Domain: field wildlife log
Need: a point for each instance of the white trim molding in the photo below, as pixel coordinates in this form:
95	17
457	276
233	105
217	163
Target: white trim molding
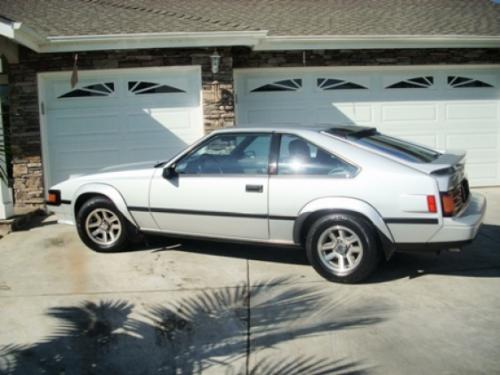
309	42
258	40
152	40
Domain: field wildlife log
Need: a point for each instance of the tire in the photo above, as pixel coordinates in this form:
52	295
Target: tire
117	227
351	238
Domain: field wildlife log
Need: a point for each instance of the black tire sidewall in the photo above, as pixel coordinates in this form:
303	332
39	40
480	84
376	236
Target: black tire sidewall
81	217
365	231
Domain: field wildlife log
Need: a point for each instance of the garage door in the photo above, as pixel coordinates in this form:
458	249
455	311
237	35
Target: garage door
118	117
452	108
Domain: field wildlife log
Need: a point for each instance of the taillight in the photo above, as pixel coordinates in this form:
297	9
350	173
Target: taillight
431	203
448	204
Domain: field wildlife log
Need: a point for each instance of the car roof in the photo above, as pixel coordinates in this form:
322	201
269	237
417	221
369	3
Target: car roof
339	130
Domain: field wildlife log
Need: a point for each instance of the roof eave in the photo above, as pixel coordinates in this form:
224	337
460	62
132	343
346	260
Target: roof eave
376	42
21	34
152	40
258	40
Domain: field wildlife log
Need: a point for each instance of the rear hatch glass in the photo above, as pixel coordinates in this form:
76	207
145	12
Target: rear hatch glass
398	148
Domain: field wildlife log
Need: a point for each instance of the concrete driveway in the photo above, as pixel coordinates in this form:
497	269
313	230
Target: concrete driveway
189	307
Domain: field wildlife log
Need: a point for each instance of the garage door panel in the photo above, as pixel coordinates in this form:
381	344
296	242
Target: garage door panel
147	138
89	157
150	153
135	126
157	121
346	113
65	165
410	112
283	116
472	141
482	155
434	106
472	111
80	124
481	171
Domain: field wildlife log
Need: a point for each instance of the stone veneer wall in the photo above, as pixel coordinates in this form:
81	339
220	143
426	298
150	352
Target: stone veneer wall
246	58
218	104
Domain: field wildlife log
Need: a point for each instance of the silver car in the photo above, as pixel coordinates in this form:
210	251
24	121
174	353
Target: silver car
349	195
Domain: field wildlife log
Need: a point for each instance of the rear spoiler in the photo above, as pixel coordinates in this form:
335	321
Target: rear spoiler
446	163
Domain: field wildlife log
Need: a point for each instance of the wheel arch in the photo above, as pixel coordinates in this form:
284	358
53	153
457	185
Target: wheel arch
327	206
88	191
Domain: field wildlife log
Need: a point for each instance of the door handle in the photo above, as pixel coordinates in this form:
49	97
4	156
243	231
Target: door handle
254	188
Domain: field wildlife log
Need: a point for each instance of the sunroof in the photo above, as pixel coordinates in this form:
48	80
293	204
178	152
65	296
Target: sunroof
351	131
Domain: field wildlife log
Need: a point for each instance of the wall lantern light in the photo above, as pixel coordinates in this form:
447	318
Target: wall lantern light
215	60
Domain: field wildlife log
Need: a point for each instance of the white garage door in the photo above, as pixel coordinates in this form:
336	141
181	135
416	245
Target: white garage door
446	108
117	117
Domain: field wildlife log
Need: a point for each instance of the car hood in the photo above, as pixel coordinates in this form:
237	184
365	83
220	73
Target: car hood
129	166
116	168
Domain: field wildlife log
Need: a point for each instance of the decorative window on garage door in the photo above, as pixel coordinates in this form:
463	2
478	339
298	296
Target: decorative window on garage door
96	89
284	85
143	87
337	84
459	82
413	83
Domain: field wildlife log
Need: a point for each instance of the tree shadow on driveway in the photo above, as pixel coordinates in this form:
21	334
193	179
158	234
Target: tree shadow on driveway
216	327
481	258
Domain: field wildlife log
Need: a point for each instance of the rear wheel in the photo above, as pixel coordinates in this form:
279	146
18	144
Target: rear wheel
101	226
342	248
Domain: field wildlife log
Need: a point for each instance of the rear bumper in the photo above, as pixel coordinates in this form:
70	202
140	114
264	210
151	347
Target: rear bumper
454	232
465	226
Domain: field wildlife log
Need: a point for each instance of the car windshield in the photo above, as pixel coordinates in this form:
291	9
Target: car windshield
397	147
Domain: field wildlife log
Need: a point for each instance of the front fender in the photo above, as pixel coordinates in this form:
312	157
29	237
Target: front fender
108	191
343	204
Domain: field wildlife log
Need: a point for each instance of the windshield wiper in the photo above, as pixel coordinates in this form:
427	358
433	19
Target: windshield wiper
160	164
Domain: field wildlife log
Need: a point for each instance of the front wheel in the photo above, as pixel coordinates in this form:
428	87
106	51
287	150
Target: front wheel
101	226
342	248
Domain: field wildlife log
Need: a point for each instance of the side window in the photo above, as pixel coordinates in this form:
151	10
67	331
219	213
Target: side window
229	154
299	157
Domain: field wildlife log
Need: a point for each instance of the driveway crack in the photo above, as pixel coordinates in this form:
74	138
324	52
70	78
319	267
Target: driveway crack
247	365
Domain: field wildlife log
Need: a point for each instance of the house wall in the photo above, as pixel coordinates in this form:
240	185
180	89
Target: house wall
245	58
218	104
24	113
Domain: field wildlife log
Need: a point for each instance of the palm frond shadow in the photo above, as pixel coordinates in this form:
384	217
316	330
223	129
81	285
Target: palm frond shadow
195	333
304	365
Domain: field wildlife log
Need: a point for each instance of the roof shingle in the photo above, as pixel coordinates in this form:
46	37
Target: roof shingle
280	17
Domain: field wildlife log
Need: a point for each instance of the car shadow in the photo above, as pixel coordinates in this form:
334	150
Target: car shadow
275	254
478	259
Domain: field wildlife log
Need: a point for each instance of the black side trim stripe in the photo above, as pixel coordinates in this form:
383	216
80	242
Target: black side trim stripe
210	213
410	221
62	201
272	217
139	209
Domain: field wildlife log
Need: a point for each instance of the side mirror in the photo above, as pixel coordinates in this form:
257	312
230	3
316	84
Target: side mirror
169	172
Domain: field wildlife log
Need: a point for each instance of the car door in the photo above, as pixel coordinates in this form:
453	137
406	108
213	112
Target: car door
219	189
308	171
